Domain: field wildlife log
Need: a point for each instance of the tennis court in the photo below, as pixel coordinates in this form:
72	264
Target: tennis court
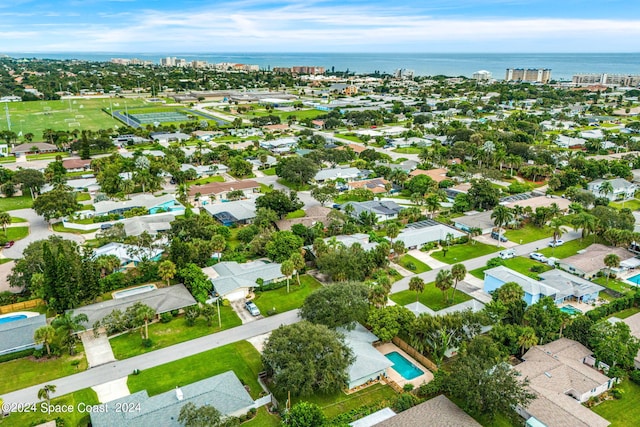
159	117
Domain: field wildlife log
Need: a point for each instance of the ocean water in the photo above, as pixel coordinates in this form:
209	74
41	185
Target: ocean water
562	65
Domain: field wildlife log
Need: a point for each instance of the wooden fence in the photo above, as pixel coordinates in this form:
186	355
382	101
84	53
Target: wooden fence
415	354
20	306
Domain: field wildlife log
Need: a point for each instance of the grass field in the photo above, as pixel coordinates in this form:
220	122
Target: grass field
16	233
28	371
431	297
627	312
633	204
16	202
421	267
16	220
60	228
407	150
459	253
616	285
269	171
36	116
75	418
625	411
570	248
174	332
529	233
239	357
520	264
284	115
296	214
263	419
283	301
207	180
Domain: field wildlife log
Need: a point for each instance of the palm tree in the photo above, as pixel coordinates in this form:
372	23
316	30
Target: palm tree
127	186
5	219
611	261
167	270
66	325
518	213
416	284
432	203
287	269
45	335
501	216
218	243
527	338
378	295
444	281
45	392
556	225
392	230
458	271
606	188
298	263
587	222
145	313
107	264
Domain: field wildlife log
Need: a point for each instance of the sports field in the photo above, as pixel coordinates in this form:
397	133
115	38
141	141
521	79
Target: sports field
36	116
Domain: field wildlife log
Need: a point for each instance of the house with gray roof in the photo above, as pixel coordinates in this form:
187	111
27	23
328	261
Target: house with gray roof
235	212
622	189
162	300
564	141
152	204
382	209
436	412
224	392
205	170
233	281
418	234
369	364
471	220
581	290
152	224
17	335
128	254
331	174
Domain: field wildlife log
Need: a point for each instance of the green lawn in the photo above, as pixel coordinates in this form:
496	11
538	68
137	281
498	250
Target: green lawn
60	228
296	214
83	197
239	357
16	220
569	248
45	156
407	150
431	297
520	264
283	301
75	418
633	204
174	332
207	180
269	171
627	312
616	285
263	419
16	233
8	159
459	253
338	403
529	233
28	371
421	267
294	186
625	411
15	202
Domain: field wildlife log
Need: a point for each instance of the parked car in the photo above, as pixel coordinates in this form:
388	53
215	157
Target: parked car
9	244
495	235
507	254
538	257
252	308
554	243
106	226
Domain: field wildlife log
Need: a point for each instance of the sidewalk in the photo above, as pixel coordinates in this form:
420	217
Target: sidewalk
426	258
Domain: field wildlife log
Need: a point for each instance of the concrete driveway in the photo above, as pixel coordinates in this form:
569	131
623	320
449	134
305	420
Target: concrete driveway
243	313
38	230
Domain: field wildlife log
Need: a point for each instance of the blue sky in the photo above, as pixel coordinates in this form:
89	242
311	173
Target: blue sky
186	26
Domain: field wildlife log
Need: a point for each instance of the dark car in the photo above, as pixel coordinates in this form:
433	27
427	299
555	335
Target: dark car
106	226
9	244
495	235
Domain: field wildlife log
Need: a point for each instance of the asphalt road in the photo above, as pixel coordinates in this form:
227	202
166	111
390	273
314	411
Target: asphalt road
122	368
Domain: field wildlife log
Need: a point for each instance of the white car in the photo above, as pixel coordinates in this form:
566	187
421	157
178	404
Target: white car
538	256
555	243
252	308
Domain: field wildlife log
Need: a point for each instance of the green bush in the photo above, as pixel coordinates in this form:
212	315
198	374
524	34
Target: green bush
408	387
166	317
16	355
410	266
147	343
537	268
635	376
495	262
404	402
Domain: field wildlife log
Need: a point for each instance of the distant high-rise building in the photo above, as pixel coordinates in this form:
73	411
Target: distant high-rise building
403	73
536	75
482	75
307	69
168	61
606	79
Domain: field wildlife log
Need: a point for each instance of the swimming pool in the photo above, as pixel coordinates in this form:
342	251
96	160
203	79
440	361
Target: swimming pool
133	291
635	279
569	309
406	369
10	317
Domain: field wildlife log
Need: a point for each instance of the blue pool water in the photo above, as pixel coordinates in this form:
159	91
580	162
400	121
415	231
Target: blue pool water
402	366
635	279
8	319
569	309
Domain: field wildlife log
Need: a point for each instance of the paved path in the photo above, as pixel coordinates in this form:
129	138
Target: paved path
426	258
122	368
97	349
472	264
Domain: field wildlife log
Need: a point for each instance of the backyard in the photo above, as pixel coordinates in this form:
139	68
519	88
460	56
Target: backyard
15	202
459	253
174	332
239	357
418	266
282	301
529	233
431	297
624	411
615	285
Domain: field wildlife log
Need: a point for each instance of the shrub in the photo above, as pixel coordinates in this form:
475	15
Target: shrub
404	402
616	393
410	266
408	387
635	376
495	262
537	269
147	343
166	317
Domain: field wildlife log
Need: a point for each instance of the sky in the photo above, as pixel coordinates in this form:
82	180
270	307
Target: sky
368	26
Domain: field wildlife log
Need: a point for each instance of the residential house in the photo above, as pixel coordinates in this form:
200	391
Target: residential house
436	412
168	137
383	210
473	219
33	148
592	134
219	190
622	189
438	175
152	204
349	240
161	300
224	392
203	171
234	281
535	202
564	141
561	382
128	254
557	286
347	174
16	331
81	184
280	145
76	165
206	135
369	365
406	165
257	164
418	234
151	224
313	215
375	185
356	148
232	213
590	261
634	325
125	140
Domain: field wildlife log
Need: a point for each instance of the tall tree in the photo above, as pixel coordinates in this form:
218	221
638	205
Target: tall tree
5	219
66	326
305	414
167	270
613	344
297	170
337	305
459	272
45	335
416	284
298	263
444	281
527	338
196	281
501	216
287	268
57	203
611	261
45	392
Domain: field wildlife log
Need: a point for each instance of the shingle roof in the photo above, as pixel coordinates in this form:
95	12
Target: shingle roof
233	275
222	187
436	412
368	361
529	285
238	210
592	259
420	236
562	280
18	334
147	201
334	173
225	392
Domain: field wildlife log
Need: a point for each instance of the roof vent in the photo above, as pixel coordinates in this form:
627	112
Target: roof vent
179	394
547	374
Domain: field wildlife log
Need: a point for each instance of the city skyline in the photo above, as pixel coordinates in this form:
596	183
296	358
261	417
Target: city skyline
318	26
